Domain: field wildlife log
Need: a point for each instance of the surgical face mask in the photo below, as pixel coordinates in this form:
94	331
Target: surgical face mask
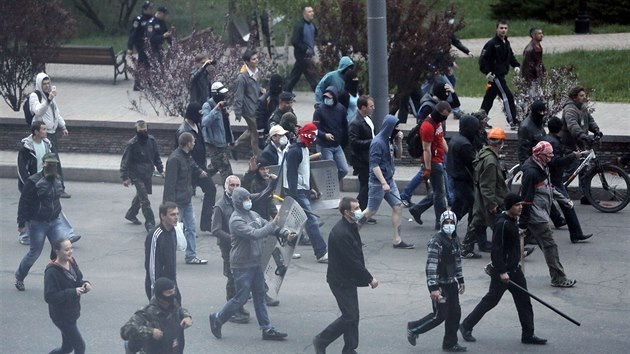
247	205
451	21
283	140
358	214
328	101
448	228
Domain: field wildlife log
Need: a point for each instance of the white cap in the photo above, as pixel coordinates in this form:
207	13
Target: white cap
218	87
277	130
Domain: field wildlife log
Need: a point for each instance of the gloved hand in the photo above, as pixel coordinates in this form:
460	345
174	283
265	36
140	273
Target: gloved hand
490	76
517	70
587	140
570	204
426	174
599	134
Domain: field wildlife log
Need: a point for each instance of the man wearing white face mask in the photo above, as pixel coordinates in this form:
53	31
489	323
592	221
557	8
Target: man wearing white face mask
346	272
277	145
446	282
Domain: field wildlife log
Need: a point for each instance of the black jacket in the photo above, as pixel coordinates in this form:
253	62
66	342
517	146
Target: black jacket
159	257
293	159
27	161
198	153
506	246
269	153
155	33
64	305
331	120
265	107
139	159
221	214
360	136
497	57
530	133
178	177
346	266
39	200
562	159
461	150
297	39
137	32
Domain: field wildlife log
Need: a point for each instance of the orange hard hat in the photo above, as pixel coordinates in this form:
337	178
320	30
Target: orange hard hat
496	133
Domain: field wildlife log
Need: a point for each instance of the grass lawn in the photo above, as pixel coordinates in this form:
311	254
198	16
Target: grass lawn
602	71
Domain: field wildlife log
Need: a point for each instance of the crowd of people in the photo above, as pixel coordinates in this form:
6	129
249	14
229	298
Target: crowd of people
464	177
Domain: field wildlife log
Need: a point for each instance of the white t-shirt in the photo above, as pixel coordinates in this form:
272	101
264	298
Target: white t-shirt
40	151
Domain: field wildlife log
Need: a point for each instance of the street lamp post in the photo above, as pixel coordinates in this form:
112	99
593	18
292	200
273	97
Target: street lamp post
377	58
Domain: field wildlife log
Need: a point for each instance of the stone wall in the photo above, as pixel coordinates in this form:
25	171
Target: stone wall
111	137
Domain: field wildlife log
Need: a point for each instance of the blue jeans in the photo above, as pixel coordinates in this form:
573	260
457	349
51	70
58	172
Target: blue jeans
71	339
312	226
187	215
66	229
247	280
38	231
437	196
336	154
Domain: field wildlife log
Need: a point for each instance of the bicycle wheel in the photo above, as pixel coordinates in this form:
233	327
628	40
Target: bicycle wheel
607	188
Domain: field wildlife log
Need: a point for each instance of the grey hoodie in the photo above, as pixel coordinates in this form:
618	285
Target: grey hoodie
247	229
46	111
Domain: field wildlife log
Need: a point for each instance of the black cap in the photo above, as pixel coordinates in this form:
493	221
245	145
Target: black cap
146	5
287	96
511	199
163	9
161	285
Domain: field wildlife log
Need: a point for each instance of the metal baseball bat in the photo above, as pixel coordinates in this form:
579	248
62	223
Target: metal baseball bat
544	303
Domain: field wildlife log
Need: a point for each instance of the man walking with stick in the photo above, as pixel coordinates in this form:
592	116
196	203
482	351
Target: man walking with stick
506	257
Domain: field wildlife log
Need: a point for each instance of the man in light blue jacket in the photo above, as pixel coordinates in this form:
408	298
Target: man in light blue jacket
216	131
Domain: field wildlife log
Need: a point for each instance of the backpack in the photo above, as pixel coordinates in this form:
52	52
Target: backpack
26	107
414	143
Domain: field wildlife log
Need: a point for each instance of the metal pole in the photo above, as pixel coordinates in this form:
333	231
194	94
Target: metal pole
377	58
543	302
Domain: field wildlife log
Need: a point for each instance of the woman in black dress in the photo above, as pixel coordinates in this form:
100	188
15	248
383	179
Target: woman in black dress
63	288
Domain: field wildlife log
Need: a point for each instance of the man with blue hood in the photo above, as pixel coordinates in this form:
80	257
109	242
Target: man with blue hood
334	78
381	183
248	231
332	130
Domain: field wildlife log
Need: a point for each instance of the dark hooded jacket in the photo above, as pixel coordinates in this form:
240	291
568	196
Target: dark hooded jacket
27	161
380	152
140	159
39	200
64	305
198	152
531	132
331	119
248	230
490	186
461	150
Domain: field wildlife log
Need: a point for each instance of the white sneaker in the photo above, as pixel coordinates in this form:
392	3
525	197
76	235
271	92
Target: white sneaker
296	256
323	259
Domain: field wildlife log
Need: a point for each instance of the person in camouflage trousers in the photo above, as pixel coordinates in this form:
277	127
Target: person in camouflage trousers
159	326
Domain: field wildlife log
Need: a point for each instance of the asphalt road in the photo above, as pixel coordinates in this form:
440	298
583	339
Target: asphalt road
111	256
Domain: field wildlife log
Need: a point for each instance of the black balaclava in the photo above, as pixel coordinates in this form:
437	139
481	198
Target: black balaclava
536	108
193	112
160	286
439	91
437	117
275	84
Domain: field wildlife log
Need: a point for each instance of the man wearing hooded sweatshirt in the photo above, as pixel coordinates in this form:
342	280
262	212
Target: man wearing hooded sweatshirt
248	90
538	194
445	281
223	210
45	109
296	182
381	183
248	231
334	78
266	106
461	154
192	125
432	163
332	130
